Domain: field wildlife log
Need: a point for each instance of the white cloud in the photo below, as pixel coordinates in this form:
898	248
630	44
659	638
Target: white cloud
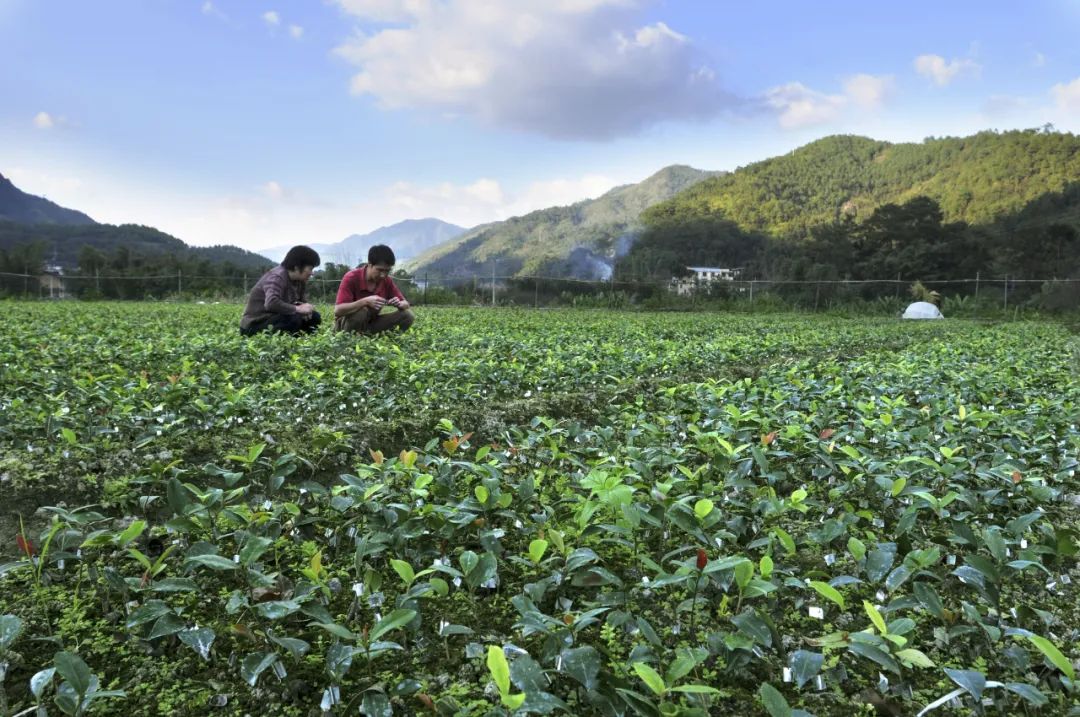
942	72
43	120
44	183
1001	106
484	200
577	69
797	105
1067	95
270	17
273	190
208	8
869	91
296	31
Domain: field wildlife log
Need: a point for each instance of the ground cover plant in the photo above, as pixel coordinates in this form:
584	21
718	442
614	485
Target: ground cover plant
518	512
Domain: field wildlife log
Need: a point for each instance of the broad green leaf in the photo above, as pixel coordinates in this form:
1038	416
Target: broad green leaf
785	539
876	654
499	668
765	567
702	508
10	627
875	617
40	681
971	680
773	701
198	639
828	592
651	678
856	548
805	665
914	657
393	621
404	570
537	548
74	671
1053	654
253	548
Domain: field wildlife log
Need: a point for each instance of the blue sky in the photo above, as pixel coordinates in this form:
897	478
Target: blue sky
266	123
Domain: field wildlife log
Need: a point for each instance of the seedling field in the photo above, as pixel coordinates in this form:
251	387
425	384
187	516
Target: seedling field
536	512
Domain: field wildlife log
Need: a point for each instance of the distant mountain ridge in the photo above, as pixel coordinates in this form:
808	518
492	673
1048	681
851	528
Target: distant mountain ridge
581	240
61	234
18	206
407	238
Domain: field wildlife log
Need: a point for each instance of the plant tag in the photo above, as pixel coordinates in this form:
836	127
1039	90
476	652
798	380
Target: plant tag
60	564
236	559
358	589
267	504
378	616
951	560
676	629
328	532
830	559
830	510
352	531
816	612
1065	579
330	697
878	523
375	600
1023	543
279	670
787	674
882	683
1051	584
880	595
819	682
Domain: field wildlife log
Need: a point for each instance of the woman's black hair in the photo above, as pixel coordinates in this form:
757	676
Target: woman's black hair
300	257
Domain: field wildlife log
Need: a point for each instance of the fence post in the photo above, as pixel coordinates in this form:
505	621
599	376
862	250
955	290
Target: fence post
1006	308
536	293
426	281
751	292
179	283
817	294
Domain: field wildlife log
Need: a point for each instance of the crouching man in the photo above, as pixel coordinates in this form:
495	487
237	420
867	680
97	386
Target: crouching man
364	292
278	301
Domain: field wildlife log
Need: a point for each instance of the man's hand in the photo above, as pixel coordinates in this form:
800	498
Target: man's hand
399	304
374	302
304	309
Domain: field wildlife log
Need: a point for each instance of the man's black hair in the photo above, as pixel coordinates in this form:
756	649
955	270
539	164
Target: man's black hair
300	257
381	254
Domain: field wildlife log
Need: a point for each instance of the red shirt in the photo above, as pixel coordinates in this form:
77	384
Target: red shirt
354	286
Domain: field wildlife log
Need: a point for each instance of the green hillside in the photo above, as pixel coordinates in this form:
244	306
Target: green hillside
980	180
542	242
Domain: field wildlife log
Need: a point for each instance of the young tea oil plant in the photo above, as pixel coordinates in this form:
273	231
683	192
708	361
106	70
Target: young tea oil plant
510	512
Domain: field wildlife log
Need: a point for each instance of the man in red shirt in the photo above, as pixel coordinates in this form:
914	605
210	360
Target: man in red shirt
364	292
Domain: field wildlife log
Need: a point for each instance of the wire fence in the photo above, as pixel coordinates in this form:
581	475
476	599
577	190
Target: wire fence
961	295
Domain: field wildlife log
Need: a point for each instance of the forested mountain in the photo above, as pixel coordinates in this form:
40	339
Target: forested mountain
18	206
850	207
30	245
35	231
580	240
978	179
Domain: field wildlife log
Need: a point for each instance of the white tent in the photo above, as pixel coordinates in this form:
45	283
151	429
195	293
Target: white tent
922	310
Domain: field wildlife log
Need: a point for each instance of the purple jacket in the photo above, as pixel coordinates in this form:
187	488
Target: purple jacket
273	294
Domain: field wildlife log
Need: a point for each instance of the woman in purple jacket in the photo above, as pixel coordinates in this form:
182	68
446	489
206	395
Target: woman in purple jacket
278	301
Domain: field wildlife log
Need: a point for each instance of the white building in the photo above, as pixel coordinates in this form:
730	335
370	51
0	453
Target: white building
701	276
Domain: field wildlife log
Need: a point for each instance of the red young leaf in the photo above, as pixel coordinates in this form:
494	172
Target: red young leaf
768	438
702	558
25	545
826	434
1016	477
